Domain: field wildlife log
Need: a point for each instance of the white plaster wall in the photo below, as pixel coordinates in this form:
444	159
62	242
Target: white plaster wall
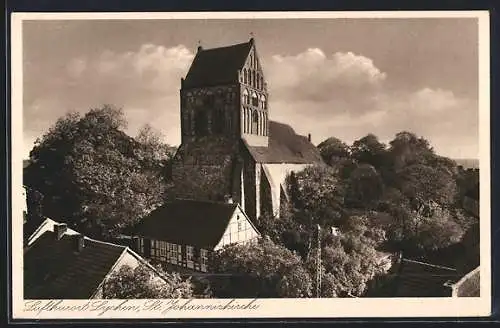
47	225
245	233
277	174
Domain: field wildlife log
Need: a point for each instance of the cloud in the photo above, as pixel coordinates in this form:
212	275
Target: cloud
346	95
144	82
341	94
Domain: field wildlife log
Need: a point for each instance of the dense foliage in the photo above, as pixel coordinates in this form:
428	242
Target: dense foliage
262	269
95	177
143	283
400	197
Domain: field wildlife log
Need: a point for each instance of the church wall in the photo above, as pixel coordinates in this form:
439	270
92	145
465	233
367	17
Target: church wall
276	175
204	169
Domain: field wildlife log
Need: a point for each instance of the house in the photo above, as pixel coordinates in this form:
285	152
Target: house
60	263
184	232
420	279
468	285
229	146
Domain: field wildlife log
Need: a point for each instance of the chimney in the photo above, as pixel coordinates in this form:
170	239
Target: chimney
309	137
228	199
60	229
79	241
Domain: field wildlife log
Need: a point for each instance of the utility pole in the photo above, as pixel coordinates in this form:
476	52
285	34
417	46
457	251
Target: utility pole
318	265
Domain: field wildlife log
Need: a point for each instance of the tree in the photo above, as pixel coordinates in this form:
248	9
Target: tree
261	269
422	184
369	150
406	149
141	283
93	176
333	150
349	263
317	197
317	193
364	187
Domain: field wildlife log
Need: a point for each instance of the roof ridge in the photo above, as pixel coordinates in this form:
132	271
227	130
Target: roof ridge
203	201
224	47
429	264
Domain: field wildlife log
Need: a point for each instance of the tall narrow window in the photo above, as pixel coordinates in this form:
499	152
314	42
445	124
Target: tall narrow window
245	76
255	99
255	122
201	123
253	79
245	96
189	256
203	259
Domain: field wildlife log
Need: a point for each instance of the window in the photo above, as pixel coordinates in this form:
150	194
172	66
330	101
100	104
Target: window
141	246
255	122
245	76
245	96
255	99
240	224
203	259
173	253
189	256
201	123
179	253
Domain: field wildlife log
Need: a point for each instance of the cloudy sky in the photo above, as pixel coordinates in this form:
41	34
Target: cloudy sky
330	77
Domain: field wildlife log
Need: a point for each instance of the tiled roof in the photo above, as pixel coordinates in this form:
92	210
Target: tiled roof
217	66
54	269
285	146
188	222
419	279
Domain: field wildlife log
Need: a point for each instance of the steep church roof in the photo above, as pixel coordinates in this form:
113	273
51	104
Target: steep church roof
217	65
285	146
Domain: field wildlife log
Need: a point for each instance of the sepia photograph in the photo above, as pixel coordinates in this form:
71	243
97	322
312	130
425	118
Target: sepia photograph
222	161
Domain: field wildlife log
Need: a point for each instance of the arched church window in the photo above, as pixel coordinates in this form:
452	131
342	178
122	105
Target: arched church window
219	121
255	99
245	76
245	96
255	122
201	123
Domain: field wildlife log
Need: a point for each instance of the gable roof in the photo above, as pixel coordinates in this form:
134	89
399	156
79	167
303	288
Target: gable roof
53	268
285	146
32	232
217	66
419	279
188	222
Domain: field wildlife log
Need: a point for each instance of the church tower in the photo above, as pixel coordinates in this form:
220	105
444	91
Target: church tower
230	149
224	95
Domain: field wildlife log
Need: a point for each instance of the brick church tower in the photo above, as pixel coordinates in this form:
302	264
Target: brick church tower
227	135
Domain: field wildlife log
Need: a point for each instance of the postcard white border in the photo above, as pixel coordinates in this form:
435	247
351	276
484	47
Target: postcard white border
268	308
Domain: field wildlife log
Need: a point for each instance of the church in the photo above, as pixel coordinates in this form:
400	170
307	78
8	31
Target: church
230	150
